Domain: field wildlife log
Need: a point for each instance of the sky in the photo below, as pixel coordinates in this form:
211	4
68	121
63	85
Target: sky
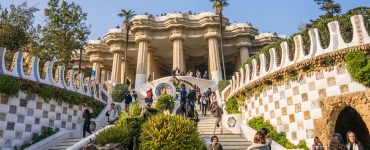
280	16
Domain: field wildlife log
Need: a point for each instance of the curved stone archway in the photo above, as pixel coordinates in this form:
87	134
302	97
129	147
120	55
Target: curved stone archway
331	108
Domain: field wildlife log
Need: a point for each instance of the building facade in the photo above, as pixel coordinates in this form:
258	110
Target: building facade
158	45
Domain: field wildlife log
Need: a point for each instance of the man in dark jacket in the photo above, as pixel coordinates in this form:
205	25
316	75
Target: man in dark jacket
86	128
128	100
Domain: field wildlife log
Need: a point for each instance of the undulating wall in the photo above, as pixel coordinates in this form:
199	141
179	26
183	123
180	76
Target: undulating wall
293	105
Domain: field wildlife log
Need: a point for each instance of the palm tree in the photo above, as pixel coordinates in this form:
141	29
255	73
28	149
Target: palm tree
127	15
219	5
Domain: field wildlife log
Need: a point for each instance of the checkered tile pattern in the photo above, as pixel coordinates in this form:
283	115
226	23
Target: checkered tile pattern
293	106
22	119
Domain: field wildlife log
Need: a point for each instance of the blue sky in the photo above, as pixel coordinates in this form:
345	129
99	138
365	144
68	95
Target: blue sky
281	16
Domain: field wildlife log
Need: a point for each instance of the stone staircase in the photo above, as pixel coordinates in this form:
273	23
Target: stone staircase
66	143
228	140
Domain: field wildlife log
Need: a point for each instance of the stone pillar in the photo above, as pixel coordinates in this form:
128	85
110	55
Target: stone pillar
177	38
244	54
123	69
103	76
96	68
116	49
142	58
214	55
156	74
150	65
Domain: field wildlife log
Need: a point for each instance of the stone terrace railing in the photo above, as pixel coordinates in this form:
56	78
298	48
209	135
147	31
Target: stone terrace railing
246	78
85	87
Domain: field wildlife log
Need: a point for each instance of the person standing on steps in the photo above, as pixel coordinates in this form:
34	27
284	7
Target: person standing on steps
214	145
86	127
204	104
217	113
149	98
128	100
134	95
208	98
112	114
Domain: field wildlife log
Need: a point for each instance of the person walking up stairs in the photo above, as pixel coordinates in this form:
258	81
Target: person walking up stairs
228	140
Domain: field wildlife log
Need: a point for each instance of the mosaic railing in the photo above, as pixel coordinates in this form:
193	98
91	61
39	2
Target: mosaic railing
53	76
251	74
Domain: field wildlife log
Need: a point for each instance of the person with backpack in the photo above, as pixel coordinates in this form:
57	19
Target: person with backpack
128	100
217	113
86	127
204	104
149	98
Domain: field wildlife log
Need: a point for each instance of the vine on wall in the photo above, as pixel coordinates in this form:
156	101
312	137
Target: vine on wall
358	65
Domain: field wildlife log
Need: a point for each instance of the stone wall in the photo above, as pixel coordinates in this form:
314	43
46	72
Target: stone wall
22	119
294	106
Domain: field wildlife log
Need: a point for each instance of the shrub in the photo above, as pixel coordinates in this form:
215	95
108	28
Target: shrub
358	66
258	123
48	132
168	132
118	92
232	106
222	84
45	92
165	101
8	85
117	134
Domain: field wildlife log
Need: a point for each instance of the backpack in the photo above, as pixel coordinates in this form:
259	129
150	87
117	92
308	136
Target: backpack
204	100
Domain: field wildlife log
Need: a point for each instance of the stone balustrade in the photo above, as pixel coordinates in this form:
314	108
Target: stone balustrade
337	44
84	86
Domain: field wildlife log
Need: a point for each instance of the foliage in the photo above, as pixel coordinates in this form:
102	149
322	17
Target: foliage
45	134
291	48
222	84
170	132
45	92
258	123
8	85
358	65
219	4
309	68
118	92
116	134
232	106
16	26
329	6
65	30
165	101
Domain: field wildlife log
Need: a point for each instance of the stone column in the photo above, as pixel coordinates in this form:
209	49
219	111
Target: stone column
103	76
244	54
96	64
214	55
117	50
150	65
142	58
156	74
177	38
123	69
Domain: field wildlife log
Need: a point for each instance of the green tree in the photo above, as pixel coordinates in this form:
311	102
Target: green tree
329	6
219	5
65	31
127	15
16	26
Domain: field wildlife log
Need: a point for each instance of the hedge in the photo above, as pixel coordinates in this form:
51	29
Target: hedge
358	65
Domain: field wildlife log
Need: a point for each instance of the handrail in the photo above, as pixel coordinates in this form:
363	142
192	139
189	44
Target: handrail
51	140
88	139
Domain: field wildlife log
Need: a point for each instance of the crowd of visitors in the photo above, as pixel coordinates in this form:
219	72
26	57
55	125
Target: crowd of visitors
207	101
190	73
